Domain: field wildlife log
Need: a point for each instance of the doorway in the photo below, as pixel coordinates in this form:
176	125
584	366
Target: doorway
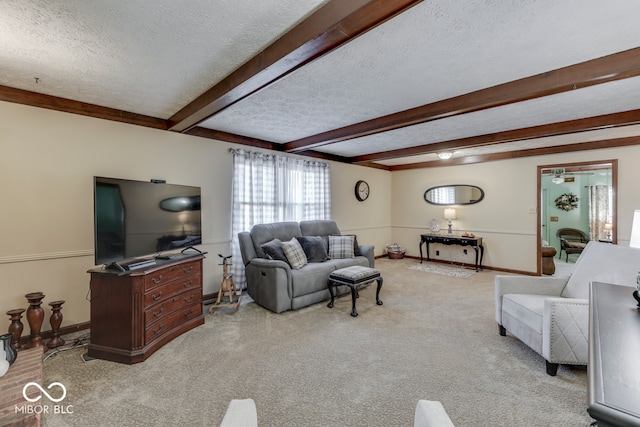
580	196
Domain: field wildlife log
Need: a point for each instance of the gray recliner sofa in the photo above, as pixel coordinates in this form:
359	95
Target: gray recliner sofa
273	284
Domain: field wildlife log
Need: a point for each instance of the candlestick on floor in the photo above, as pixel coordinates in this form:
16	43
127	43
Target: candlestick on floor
35	317
16	327
55	320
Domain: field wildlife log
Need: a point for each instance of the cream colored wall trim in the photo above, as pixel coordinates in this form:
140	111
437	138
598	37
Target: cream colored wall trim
352	230
46	256
75	254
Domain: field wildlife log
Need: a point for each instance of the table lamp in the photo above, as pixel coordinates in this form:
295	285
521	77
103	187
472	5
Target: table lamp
449	214
607	230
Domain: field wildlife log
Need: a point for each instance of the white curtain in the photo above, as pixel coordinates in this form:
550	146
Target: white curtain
271	188
599	201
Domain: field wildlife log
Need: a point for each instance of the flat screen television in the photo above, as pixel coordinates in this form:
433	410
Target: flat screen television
135	219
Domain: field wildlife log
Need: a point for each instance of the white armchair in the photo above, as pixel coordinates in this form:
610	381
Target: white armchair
551	314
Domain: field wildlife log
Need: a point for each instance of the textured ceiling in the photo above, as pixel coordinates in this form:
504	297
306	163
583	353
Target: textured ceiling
156	57
437	50
145	56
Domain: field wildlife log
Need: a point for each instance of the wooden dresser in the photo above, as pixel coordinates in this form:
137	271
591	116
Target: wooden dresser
135	313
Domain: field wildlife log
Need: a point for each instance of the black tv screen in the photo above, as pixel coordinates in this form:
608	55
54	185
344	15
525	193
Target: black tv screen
140	218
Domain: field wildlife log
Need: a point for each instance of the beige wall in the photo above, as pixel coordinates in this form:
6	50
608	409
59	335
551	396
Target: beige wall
503	218
48	160
47	163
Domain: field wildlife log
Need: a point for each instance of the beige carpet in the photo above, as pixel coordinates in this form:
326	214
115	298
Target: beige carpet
434	338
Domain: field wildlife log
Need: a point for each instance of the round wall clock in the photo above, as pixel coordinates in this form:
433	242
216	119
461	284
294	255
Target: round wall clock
362	190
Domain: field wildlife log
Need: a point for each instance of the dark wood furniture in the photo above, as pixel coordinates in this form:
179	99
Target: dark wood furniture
614	345
572	241
474	242
354	277
135	313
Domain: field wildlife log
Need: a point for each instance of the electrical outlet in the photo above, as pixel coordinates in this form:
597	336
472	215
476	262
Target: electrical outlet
464	251
437	253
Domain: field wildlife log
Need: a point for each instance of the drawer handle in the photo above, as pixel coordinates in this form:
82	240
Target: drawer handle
187	315
158	313
187	285
156	281
157	331
156	298
189	299
187	270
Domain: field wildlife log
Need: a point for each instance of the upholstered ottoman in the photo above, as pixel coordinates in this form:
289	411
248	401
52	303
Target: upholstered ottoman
548	266
354	276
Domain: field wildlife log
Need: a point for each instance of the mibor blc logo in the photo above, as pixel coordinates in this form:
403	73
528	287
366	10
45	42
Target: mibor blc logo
44	409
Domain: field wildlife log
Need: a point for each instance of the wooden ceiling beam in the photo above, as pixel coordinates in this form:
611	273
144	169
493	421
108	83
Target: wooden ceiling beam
605	121
267	145
330	27
34	99
609	68
568	148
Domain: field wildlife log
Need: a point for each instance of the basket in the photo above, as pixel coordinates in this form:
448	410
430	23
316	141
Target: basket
395	251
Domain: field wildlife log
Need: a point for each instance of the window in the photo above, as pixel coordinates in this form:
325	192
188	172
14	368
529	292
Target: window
271	188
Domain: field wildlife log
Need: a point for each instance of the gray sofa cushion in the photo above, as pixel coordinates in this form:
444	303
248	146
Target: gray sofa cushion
319	227
311	278
314	248
347	262
263	233
273	250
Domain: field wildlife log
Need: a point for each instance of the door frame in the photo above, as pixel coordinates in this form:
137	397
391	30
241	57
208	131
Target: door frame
590	165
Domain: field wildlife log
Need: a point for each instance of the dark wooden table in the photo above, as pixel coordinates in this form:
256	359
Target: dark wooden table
474	242
614	356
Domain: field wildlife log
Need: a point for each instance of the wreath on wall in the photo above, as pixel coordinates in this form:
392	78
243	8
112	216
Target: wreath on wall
567	202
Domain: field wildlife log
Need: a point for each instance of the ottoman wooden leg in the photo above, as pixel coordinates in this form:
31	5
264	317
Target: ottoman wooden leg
378	291
354	294
330	286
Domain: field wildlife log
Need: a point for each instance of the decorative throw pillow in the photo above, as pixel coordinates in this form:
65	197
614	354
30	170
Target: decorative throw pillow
273	250
314	248
356	247
341	246
294	253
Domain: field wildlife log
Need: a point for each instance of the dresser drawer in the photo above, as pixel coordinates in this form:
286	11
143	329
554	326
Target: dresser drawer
169	274
168	306
174	319
161	293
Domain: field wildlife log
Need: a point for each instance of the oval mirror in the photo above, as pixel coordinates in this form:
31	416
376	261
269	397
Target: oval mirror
454	195
181	204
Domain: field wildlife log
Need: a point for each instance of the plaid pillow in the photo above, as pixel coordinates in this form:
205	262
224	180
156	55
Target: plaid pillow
294	253
341	246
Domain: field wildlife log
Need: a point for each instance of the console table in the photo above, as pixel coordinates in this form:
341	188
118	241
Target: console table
613	369
474	242
135	313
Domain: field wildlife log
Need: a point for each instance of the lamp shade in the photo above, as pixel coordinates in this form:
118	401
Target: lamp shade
635	230
450	213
